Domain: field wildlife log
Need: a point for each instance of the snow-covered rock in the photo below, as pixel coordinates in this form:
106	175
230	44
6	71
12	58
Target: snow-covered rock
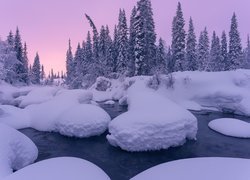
64	168
153	122
199	168
37	96
14	117
83	121
110	102
231	127
16	150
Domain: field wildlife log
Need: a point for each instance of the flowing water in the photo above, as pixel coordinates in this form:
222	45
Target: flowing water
122	165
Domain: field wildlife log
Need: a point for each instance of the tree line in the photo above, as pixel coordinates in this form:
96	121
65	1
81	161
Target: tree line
133	51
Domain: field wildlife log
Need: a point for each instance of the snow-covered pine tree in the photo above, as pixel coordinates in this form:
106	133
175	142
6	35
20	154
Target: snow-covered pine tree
77	63
114	50
203	50
109	53
122	59
131	48
43	76
89	61
247	53
161	62
191	53
69	64
235	48
10	39
224	53
145	48
36	70
25	65
178	40
170	64
215	54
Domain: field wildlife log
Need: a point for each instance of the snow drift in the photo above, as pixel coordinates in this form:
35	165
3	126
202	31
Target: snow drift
16	150
63	168
152	123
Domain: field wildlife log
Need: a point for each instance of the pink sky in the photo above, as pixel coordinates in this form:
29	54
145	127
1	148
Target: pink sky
46	25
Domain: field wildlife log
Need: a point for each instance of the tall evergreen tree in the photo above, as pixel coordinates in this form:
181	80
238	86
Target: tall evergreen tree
161	64
224	53
115	50
36	70
247	55
25	64
132	42
77	64
10	39
145	48
170	64
69	64
203	51
191	53
215	54
235	48
122	59
43	76
178	40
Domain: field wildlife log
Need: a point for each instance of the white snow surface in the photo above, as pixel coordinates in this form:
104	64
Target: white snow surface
152	122
83	121
199	168
231	127
63	168
69	112
16	150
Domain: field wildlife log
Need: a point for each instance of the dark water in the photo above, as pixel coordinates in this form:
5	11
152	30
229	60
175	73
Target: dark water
122	165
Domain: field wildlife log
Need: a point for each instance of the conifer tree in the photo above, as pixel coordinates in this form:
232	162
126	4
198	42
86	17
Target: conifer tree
203	51
145	48
224	53
36	70
10	39
69	64
25	64
161	65
114	50
178	40
247	56
215	54
235	48
191	53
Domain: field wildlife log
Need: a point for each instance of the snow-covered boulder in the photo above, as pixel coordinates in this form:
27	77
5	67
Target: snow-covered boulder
110	102
37	96
199	168
14	117
64	168
231	127
83	121
16	150
153	122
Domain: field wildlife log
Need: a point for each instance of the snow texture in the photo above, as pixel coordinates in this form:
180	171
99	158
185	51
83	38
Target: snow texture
152	123
63	168
231	127
16	150
199	168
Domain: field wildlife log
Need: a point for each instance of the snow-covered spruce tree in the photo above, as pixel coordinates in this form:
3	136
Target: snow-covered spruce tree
191	53
69	64
247	54
26	64
10	39
114	50
43	76
22	73
109	53
89	61
36	70
145	48
169	61
77	62
224	53
161	62
178	40
122	59
203	51
215	54
235	48
131	46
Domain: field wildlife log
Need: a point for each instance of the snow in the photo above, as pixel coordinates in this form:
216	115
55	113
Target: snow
152	122
231	127
110	102
83	121
69	112
37	96
16	150
63	168
199	168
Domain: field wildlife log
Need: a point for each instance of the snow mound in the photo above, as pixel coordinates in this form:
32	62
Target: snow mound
14	117
83	121
64	168
110	102
231	127
199	168
153	122
16	150
37	96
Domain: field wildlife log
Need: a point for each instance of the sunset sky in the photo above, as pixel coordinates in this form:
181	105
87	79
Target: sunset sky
46	25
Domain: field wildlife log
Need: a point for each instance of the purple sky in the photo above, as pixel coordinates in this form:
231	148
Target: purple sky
46	25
